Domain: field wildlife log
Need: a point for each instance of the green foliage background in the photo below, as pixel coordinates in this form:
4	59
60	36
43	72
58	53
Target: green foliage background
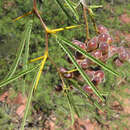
10	34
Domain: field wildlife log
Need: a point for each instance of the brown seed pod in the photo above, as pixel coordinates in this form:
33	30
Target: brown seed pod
102	29
87	89
97	54
58	88
103	38
112	50
92	44
104	48
118	62
123	54
84	64
64	73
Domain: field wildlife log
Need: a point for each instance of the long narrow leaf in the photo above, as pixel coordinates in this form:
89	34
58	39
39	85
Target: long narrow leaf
74	4
98	62
75	85
66	13
9	80
28	103
26	55
83	74
72	9
71	108
34	86
73	103
20	49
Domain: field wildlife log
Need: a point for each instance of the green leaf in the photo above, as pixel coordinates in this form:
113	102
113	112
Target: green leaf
9	80
28	102
73	103
66	13
70	106
20	49
83	74
73	4
26	55
35	83
96	104
70	5
98	62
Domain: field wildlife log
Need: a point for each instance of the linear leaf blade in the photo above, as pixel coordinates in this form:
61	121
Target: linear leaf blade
28	102
72	9
75	85
83	74
71	107
98	62
20	50
9	80
26	55
66	13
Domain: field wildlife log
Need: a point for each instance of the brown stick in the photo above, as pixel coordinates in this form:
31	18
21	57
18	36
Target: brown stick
34	4
41	20
93	20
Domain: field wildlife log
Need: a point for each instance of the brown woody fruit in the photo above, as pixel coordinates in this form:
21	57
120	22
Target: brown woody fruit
62	70
84	64
102	29
65	74
92	44
90	73
104	47
82	46
96	81
98	77
87	89
99	73
123	55
104	58
103	37
97	54
118	62
112	50
78	55
58	88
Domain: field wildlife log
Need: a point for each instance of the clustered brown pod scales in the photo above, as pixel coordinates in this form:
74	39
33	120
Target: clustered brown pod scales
102	49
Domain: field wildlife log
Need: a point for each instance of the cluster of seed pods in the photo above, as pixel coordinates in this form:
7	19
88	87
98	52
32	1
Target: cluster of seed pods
102	49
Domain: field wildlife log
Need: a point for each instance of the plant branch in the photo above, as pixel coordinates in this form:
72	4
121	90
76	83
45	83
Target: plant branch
34	4
93	20
86	23
26	14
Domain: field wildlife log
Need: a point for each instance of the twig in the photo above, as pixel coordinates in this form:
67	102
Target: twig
86	23
93	20
38	15
34	4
